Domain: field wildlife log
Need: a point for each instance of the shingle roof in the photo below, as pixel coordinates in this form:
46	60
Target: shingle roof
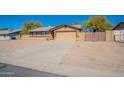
63	25
120	26
41	29
5	32
14	31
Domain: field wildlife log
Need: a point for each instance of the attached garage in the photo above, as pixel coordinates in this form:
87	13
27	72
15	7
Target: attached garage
66	35
65	32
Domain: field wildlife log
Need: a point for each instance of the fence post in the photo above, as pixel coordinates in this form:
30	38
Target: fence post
109	36
81	36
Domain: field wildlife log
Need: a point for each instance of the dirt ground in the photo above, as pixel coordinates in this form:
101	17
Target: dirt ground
35	54
104	58
65	57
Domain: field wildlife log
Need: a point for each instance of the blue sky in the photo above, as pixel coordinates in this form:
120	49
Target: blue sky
16	21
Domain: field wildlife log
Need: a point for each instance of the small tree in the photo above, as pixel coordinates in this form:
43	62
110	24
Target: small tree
77	23
98	23
29	26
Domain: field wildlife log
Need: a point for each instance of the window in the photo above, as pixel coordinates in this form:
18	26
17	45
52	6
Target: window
43	33
33	33
47	33
4	35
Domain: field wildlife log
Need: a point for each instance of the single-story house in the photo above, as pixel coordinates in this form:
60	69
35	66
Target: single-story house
61	32
119	32
15	34
10	34
4	35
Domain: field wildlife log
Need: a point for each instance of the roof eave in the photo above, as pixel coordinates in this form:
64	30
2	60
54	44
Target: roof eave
114	28
54	28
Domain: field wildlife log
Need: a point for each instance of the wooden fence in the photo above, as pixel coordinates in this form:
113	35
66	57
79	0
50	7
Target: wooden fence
95	36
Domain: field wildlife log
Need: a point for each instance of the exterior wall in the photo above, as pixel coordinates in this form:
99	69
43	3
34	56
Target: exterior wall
29	37
81	36
2	37
65	28
109	35
15	36
25	37
39	36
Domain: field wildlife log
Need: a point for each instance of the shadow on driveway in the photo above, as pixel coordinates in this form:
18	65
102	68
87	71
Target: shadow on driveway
7	70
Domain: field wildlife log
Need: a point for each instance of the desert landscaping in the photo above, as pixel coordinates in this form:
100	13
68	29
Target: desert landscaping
67	58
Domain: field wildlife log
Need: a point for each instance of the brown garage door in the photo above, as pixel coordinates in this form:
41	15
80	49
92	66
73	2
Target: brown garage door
95	36
65	35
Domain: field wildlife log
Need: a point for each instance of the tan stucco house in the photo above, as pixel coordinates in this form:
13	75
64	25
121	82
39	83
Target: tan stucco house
61	32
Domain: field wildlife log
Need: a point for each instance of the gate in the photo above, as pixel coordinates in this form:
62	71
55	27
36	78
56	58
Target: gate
95	36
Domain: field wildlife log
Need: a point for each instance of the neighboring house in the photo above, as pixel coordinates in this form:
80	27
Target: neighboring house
15	34
61	32
8	34
4	35
119	32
